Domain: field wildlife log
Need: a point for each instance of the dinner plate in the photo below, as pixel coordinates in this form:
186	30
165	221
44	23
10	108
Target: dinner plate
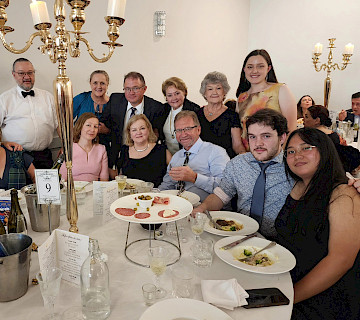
190	196
283	259
250	225
134	182
79	185
183	309
176	203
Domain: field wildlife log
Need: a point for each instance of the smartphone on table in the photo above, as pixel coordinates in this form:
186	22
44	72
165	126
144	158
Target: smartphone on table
266	297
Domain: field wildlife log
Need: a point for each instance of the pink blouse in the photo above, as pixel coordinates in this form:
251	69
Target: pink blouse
92	166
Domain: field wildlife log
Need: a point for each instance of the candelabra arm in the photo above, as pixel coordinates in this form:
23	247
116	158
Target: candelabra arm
90	50
10	47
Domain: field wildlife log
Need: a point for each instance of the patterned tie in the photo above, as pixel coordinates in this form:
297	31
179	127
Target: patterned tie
133	112
258	197
28	93
181	184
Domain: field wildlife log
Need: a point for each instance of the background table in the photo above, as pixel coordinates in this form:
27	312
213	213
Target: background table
126	278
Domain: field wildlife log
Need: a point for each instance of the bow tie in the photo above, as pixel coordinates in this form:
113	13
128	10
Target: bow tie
28	93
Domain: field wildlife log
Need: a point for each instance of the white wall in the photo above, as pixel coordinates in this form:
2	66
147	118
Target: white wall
201	36
289	29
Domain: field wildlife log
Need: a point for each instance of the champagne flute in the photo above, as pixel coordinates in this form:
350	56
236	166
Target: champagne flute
121	180
158	259
197	222
49	281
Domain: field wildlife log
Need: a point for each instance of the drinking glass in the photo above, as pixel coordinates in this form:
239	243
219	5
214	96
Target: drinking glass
182	280
121	180
149	293
157	260
21	225
197	222
49	281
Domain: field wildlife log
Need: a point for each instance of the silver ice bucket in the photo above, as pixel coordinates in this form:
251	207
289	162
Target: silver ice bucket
38	212
14	268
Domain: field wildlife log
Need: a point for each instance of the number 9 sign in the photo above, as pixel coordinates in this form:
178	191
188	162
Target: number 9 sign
47	186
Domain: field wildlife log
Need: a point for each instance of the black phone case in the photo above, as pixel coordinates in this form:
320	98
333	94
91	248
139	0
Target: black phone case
266	297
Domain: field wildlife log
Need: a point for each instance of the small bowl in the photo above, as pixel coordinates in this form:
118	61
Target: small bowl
145	203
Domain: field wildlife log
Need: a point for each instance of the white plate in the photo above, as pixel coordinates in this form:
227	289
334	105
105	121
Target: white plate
134	182
184	309
176	203
284	259
79	184
250	225
190	196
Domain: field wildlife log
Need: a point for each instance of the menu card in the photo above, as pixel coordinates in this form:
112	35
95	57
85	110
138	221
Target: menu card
104	194
65	250
5	206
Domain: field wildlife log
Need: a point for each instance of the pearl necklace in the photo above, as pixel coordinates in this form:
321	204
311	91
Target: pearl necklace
142	150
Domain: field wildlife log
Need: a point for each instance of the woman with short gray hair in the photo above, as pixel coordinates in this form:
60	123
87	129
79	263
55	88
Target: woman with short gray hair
219	124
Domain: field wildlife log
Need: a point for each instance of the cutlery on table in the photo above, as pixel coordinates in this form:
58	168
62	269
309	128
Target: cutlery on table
270	245
213	222
235	243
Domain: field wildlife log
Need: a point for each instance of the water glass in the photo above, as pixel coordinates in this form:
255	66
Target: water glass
21	224
202	253
149	293
182	280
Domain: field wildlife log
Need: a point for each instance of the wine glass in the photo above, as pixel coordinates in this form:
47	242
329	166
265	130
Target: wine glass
49	280
158	259
197	222
121	180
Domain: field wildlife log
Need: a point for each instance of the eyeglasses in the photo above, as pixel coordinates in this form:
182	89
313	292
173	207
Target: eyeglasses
187	129
134	89
303	149
23	74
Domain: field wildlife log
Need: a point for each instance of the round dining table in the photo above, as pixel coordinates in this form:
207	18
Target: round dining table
127	278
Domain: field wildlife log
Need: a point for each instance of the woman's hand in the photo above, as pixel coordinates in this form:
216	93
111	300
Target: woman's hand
13	146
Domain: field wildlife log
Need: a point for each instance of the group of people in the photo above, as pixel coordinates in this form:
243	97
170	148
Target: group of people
290	180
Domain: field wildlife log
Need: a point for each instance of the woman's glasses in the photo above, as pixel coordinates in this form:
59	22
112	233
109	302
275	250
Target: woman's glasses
303	149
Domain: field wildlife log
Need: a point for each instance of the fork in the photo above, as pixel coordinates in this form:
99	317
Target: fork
270	245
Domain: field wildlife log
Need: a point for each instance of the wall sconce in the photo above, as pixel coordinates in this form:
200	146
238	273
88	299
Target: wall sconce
160	23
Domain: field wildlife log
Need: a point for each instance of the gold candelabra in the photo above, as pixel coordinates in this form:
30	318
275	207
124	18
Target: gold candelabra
330	66
58	47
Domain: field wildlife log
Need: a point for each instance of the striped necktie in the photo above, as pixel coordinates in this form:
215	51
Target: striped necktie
133	112
181	184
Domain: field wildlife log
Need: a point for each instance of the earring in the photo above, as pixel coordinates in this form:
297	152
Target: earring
266	78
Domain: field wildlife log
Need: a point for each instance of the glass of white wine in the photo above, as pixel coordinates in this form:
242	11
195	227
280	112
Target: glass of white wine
197	222
121	180
158	260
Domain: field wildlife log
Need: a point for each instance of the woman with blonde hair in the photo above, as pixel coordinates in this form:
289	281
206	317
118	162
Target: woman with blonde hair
141	157
89	160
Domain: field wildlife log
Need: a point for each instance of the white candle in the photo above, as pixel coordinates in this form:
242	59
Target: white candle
318	48
116	8
349	49
39	12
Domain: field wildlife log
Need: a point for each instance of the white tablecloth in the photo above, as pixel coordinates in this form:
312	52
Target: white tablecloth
126	278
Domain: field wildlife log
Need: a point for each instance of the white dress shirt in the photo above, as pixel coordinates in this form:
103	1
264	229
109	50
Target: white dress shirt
29	121
139	110
169	127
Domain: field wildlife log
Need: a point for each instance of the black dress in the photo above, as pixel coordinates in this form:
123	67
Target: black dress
305	232
151	168
218	131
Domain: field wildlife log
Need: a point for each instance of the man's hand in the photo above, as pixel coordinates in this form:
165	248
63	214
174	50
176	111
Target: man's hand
103	128
12	146
183	173
355	183
342	115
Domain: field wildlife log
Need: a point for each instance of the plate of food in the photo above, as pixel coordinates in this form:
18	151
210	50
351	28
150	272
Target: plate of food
150	208
183	309
132	184
192	197
232	224
80	187
271	261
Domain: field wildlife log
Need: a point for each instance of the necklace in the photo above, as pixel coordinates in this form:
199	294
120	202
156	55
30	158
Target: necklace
141	150
212	113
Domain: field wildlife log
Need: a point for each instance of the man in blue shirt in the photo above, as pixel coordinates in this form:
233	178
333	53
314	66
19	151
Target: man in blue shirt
267	131
352	114
202	171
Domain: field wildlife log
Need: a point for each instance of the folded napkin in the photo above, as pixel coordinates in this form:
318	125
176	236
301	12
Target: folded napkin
226	294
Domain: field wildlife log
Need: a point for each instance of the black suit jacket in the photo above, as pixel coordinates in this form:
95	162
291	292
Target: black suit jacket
114	117
188	105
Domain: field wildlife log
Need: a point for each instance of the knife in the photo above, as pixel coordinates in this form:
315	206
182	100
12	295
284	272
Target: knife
235	243
214	223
